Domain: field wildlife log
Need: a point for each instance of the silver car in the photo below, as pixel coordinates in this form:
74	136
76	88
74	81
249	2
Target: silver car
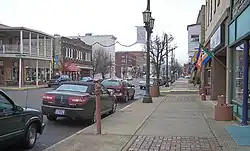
142	84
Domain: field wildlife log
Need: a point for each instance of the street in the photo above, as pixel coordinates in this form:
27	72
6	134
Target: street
62	128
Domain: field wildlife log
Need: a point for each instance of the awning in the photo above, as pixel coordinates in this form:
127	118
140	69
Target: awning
72	67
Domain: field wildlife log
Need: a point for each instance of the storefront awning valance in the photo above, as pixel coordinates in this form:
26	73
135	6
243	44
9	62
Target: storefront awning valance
72	67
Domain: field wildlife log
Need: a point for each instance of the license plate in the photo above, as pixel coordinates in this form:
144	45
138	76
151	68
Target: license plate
59	112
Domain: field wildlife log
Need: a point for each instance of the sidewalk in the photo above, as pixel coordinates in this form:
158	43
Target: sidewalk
171	123
16	88
179	86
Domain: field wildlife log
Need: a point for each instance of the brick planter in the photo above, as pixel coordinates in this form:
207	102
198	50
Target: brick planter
222	110
154	91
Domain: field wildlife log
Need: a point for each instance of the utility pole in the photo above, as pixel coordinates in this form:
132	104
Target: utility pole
172	66
167	50
110	66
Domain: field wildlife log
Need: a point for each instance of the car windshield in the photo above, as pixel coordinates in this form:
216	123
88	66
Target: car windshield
73	88
112	83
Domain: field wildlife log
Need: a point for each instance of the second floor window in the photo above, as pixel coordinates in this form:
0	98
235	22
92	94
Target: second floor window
194	38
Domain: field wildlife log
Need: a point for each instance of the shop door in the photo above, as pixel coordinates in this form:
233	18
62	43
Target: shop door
2	75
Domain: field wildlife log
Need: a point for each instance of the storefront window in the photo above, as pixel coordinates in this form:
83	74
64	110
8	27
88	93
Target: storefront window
238	74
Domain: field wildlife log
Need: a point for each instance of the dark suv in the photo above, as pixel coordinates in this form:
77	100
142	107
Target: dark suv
58	79
18	124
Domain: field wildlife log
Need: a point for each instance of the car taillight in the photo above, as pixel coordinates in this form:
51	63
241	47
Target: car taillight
49	98
77	100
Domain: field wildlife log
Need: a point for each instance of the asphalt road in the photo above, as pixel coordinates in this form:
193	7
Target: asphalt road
62	128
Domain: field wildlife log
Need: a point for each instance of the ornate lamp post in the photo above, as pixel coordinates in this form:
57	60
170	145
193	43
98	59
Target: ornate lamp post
149	25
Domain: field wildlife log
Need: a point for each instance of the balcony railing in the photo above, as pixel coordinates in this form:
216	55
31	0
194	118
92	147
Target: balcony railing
15	49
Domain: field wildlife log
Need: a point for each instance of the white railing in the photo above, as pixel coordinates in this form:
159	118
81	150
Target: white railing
15	49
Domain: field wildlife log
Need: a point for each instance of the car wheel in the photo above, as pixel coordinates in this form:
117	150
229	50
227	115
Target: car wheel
140	87
113	108
133	96
49	85
52	117
92	120
30	136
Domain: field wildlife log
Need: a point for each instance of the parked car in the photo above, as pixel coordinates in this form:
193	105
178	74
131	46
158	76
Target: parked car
123	90
130	78
18	124
142	84
86	79
56	80
76	100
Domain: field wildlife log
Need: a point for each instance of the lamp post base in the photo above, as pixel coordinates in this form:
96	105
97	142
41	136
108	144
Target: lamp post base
147	99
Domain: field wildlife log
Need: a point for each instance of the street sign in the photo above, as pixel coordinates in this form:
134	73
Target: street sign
56	59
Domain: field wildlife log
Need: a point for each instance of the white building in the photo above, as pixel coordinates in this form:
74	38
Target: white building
105	42
194	38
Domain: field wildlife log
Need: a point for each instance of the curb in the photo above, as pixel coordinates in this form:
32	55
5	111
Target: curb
23	88
178	90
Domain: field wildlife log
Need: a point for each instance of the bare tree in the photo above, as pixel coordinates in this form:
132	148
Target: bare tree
101	62
157	54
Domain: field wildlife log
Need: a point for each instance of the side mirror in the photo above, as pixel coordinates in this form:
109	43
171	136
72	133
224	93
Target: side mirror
17	108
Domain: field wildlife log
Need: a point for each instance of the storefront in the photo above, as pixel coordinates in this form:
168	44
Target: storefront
9	71
71	70
238	39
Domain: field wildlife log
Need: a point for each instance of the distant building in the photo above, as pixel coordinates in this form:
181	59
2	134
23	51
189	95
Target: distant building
194	38
125	63
104	42
72	57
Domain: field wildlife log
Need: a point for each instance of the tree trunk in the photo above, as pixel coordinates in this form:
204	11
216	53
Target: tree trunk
157	75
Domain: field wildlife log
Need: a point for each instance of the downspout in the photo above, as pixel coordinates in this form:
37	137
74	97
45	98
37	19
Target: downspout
231	9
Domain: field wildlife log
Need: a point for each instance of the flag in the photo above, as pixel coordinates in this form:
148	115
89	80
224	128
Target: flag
194	59
141	34
199	61
206	51
205	59
198	53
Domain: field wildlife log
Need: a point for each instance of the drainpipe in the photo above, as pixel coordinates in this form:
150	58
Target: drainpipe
231	9
245	90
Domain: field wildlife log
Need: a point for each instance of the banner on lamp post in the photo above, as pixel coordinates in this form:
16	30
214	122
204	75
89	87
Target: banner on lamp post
141	34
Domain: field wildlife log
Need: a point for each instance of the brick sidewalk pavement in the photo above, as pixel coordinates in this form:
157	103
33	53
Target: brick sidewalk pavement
163	143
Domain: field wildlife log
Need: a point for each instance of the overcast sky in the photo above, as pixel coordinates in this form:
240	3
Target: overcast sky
116	17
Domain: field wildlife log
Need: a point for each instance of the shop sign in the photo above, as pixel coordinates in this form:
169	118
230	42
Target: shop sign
215	40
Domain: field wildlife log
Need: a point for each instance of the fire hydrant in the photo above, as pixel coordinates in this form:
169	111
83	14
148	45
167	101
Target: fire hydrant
98	106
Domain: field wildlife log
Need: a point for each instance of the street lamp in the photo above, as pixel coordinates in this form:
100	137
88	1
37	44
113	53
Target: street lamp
149	25
152	22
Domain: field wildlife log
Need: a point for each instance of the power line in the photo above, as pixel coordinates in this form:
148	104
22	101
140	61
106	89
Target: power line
117	42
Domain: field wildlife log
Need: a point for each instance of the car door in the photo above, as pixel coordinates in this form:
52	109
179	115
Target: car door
104	99
110	99
11	121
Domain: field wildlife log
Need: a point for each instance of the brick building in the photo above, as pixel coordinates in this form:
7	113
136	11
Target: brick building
73	57
124	63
